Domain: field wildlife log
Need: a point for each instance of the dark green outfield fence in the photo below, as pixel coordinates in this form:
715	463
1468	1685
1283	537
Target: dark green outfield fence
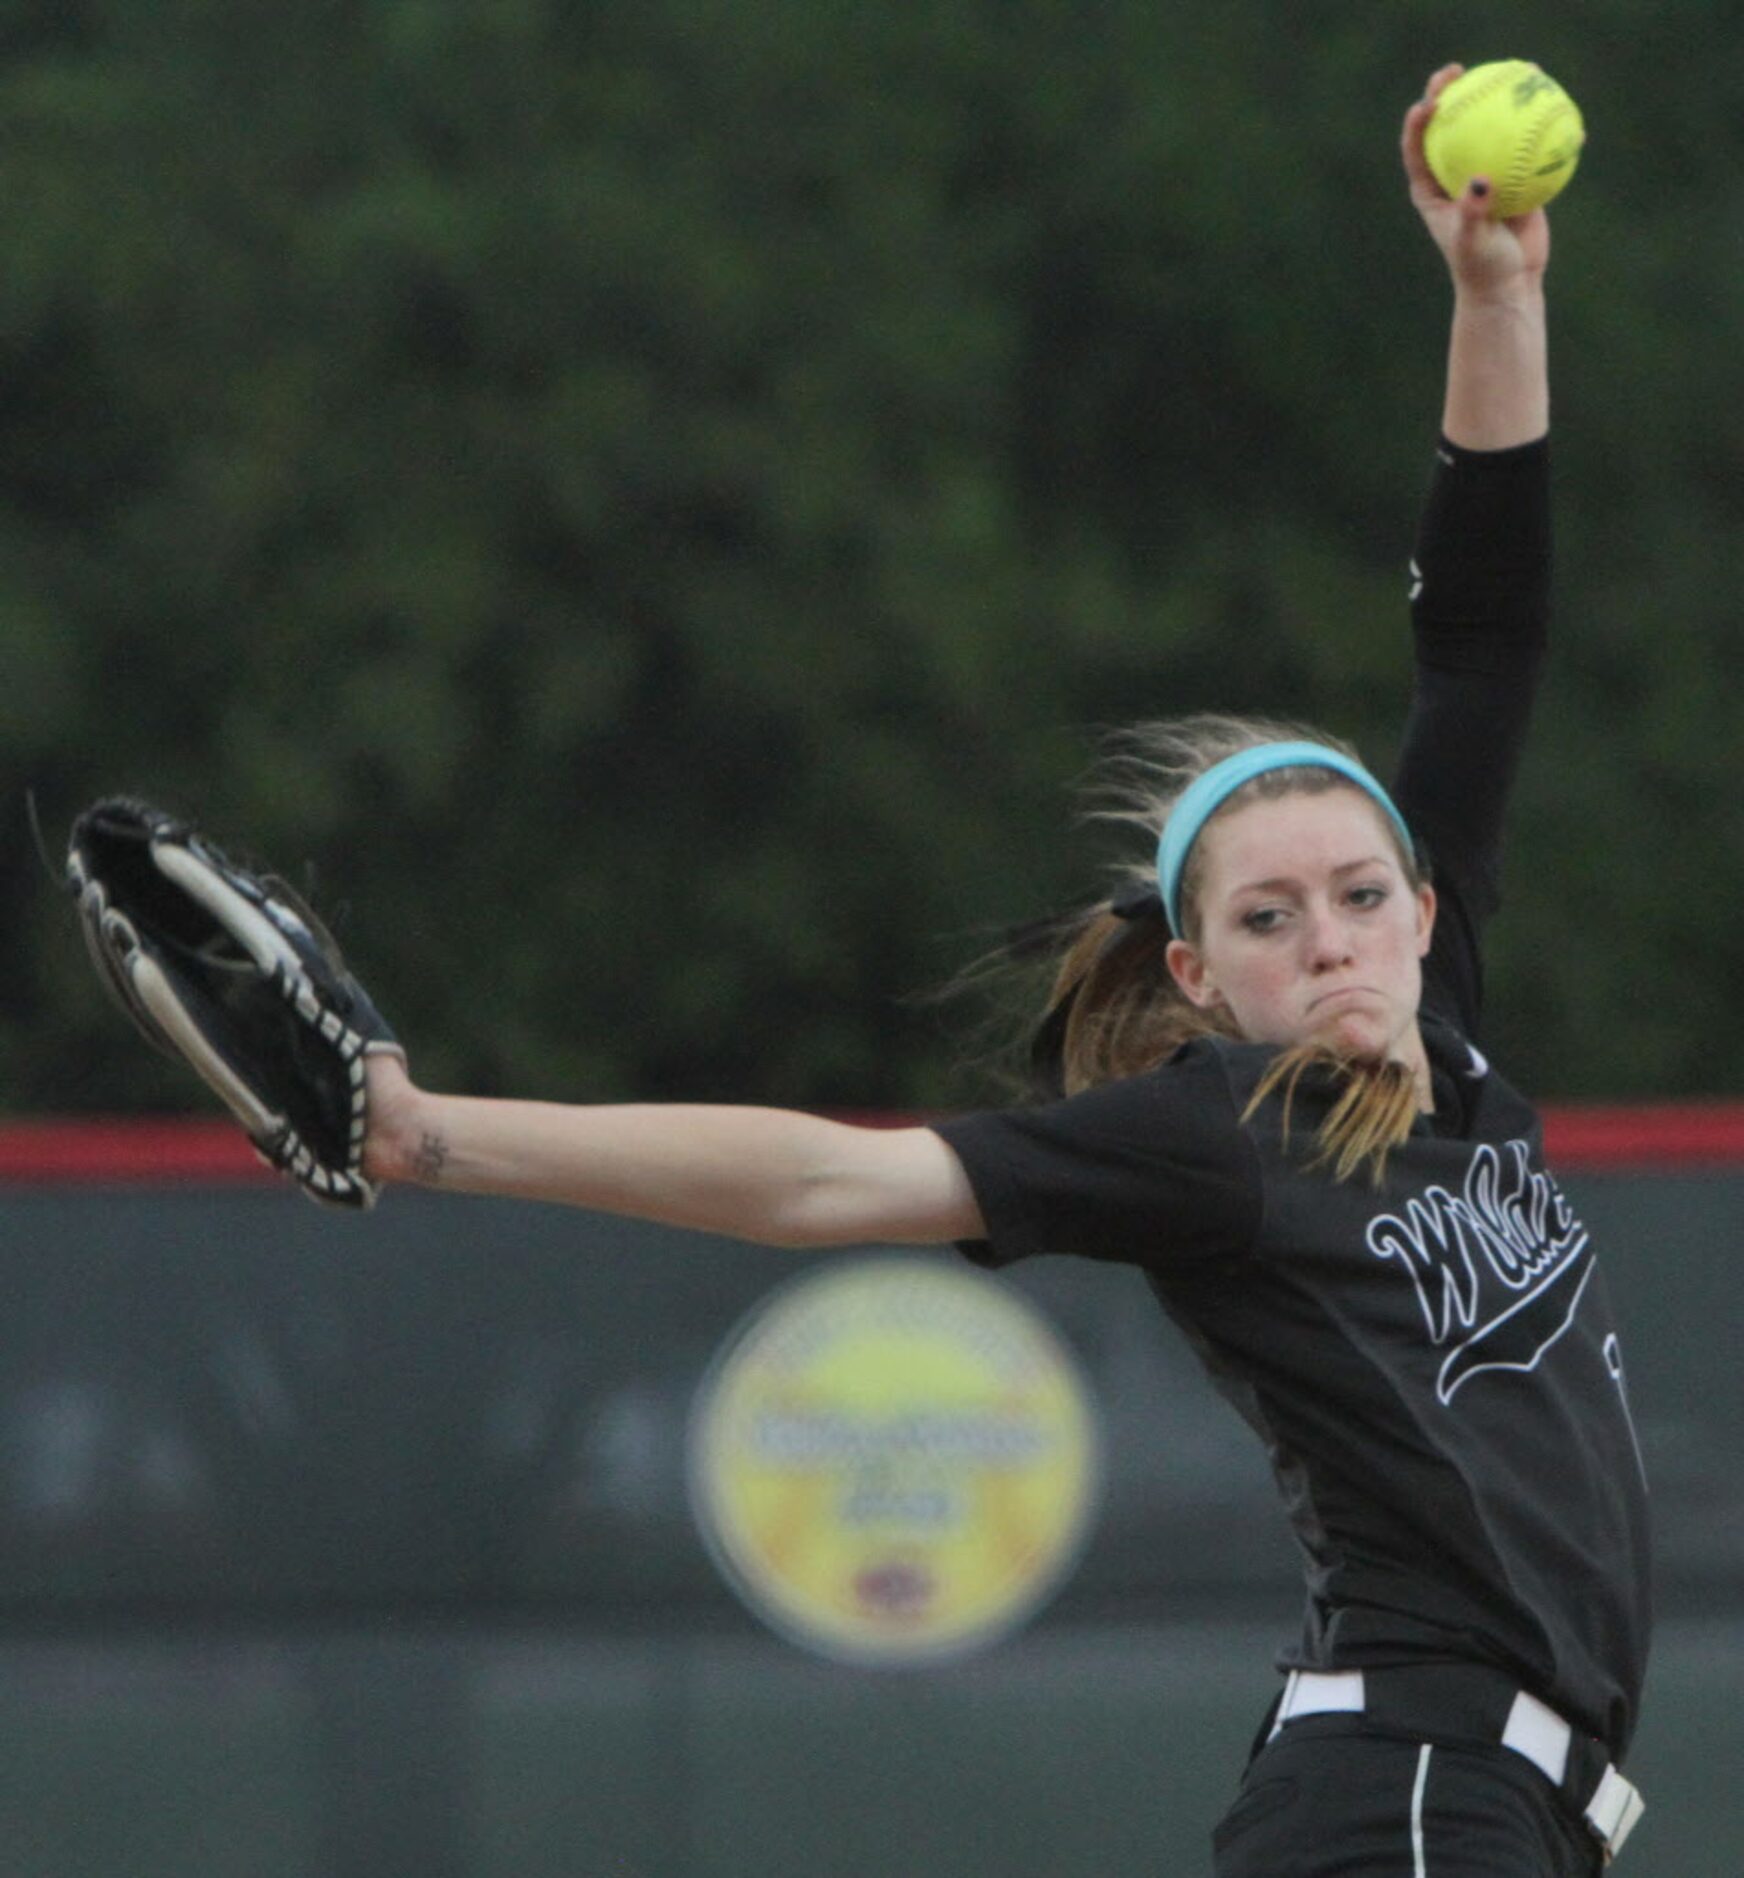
359	1548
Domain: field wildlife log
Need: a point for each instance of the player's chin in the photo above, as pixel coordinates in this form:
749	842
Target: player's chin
1358	1035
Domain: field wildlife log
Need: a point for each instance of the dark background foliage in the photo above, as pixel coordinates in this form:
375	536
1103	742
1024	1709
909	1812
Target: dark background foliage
644	508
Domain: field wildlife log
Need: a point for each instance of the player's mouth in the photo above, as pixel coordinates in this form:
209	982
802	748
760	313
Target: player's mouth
1343	992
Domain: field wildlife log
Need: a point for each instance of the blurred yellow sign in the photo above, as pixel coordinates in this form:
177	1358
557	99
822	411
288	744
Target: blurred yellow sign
894	1460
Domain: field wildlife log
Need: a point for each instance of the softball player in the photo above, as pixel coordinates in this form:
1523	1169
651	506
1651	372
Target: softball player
1268	1097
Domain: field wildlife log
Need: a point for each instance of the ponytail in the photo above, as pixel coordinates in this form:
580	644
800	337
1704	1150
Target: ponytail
1115	1008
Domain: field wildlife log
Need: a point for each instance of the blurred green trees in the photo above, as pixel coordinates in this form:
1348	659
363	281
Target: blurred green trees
644	507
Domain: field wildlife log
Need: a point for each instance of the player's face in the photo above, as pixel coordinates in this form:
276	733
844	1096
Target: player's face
1310	928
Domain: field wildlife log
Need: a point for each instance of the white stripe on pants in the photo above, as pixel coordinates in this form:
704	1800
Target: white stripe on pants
1420	1868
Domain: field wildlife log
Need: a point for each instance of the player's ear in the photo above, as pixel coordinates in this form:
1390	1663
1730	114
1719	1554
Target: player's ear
1187	969
1425	918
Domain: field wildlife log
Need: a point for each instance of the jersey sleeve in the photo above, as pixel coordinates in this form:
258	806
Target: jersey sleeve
1153	1170
1480	617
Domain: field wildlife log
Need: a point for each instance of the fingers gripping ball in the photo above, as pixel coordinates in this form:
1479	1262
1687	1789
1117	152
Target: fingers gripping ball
1511	122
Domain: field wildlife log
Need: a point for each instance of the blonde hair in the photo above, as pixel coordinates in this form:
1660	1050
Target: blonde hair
1113	1007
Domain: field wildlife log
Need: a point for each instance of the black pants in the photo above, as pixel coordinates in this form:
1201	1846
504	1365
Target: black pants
1333	1796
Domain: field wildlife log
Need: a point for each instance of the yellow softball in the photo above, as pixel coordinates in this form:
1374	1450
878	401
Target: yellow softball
1512	122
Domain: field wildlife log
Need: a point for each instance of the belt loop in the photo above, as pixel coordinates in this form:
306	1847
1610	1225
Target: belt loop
1614	1811
1540	1734
1322	1692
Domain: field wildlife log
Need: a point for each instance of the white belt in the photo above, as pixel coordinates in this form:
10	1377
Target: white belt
1534	1731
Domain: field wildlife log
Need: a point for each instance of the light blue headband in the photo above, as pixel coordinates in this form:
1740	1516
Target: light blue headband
1207	793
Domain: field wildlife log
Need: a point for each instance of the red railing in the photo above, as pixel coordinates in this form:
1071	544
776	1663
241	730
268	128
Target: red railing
196	1151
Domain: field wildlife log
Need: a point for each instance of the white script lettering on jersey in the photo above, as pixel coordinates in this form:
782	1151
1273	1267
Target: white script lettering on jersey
1499	1267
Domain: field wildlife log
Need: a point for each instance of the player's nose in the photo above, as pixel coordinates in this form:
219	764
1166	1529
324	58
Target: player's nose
1327	937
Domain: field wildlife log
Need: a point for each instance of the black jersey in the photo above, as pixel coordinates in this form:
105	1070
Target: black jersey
1432	1365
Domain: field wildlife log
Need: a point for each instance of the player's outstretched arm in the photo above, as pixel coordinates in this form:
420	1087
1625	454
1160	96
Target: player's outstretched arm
1498	385
775	1176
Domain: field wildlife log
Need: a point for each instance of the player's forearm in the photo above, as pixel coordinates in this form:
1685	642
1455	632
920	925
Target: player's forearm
1498	379
745	1172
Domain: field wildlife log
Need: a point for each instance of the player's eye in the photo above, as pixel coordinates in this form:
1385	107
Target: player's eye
1365	899
1263	919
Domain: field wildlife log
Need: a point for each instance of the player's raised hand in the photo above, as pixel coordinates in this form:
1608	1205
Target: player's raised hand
1486	257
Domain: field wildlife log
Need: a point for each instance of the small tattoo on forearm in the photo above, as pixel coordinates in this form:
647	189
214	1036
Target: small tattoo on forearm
431	1158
